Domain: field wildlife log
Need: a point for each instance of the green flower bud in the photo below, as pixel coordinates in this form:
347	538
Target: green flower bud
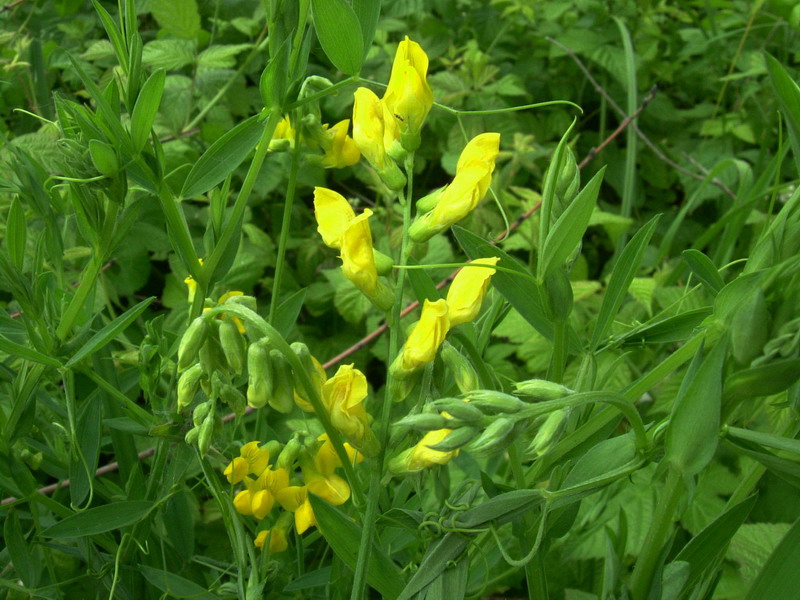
749	328
422	422
459	409
428	203
244	300
206	434
233	398
191	342
259	374
497	402
290	453
567	183
558	295
104	158
233	345
493	437
211	356
541	389
461	368
383	263
549	432
188	385
282	398
192	435
201	412
457	439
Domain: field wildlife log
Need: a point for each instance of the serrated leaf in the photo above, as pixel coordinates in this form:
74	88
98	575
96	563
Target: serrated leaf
169	55
642	289
179	17
778	577
220	57
339	33
222	157
99	520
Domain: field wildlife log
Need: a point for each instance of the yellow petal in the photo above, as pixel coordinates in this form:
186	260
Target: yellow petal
331	488
274	480
242	502
482	150
261	503
358	259
368	127
343	151
304	517
408	95
333	214
428	334
423	457
292	497
237	470
466	293
277	540
257	458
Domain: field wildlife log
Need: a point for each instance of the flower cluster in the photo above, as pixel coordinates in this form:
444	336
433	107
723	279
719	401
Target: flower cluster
266	485
338	148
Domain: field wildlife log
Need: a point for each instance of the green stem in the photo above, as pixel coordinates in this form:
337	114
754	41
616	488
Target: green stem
233	224
322	93
559	357
656	536
373	495
285	223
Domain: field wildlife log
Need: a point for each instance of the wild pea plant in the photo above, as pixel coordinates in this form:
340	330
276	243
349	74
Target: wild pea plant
436	475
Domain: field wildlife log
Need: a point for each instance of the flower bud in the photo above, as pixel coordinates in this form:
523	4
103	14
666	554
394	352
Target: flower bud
283	384
315	372
541	389
466	293
422	422
206	434
424	341
188	385
211	356
233	345
549	433
368	133
333	212
259	374
192	435
192	340
494	436
233	398
457	439
455	408
200	412
567	183
496	401
422	456
290	453
463	372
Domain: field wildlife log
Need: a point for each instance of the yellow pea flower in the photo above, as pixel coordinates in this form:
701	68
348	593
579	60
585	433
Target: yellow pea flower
333	213
368	134
252	460
469	186
421	456
466	293
295	499
358	261
331	488
409	96
254	501
326	461
342	151
428	334
277	540
344	395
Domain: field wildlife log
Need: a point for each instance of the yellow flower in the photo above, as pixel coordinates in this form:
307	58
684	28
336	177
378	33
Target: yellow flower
254	501
358	259
252	460
333	213
318	377
343	395
409	96
331	488
428	334
469	186
326	461
422	456
368	134
236	320
277	540
295	499
466	293
191	284
343	151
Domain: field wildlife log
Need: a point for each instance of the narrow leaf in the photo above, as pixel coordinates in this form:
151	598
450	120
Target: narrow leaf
222	157
630	259
367	12
146	109
18	550
14	349
110	331
778	577
788	95
568	230
16	233
339	33
704	269
99	520
287	312
174	585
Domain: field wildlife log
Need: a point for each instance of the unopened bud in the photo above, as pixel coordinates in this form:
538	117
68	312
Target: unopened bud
233	345
244	300
201	412
191	342
289	454
422	422
188	385
493	437
497	402
283	384
428	203
211	357
541	389
459	409
233	398
463	372
206	434
457	439
192	435
259	374
568	181
383	262
549	433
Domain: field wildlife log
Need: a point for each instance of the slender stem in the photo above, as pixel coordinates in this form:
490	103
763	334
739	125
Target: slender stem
656	536
534	579
373	495
285	224
322	93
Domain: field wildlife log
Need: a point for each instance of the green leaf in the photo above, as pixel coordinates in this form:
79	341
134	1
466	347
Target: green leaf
436	560
344	537
671	329
763	380
174	585
14	349
100	520
287	312
109	332
274	80
630	259
367	12
18	550
710	545
146	109
568	230
222	157
778	577
778	442
788	95
693	431
16	233
169	55
178	17
113	33
220	57
339	33
704	269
